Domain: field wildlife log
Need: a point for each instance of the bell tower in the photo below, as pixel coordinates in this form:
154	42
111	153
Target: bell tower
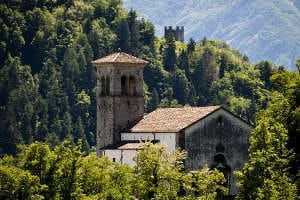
120	97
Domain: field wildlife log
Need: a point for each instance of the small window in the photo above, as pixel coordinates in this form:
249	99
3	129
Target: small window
123	85
114	159
102	85
220	121
107	85
132	86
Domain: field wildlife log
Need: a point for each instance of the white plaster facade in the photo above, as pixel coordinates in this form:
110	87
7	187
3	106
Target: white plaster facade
166	138
125	156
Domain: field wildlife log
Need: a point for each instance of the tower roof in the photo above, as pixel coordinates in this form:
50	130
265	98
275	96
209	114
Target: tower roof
120	58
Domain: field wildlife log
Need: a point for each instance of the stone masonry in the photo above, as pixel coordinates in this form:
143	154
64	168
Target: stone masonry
120	99
178	32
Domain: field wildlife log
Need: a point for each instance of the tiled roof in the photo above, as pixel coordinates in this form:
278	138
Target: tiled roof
120	57
166	120
136	145
128	145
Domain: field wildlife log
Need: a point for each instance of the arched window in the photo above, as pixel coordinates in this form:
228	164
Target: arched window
102	86
220	164
107	85
132	86
123	85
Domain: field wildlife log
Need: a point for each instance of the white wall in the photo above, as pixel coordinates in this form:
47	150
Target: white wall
121	156
128	156
166	138
113	154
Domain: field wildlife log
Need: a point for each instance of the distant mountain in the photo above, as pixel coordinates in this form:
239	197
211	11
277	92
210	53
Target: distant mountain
262	29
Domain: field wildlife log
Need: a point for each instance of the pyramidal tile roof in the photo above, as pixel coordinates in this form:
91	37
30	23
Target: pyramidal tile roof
167	120
120	57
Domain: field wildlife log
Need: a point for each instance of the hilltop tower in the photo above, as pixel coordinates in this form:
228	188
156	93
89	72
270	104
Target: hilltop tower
120	98
178	33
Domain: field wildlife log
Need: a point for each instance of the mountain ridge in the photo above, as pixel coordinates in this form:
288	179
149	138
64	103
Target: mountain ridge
264	30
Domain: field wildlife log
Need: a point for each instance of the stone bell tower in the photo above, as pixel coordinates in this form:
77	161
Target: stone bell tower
120	98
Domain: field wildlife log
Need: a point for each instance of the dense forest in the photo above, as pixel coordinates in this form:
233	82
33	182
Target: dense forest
47	94
47	80
47	84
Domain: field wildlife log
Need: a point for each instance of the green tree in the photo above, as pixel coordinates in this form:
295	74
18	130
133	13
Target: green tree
223	64
288	84
16	183
191	46
101	38
19	95
298	65
79	134
265	175
180	86
154	101
183	62
158	172
147	35
134	32
159	175
169	58
266	71
124	36
204	184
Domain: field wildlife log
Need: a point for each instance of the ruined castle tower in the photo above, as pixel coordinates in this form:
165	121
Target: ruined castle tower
120	98
177	33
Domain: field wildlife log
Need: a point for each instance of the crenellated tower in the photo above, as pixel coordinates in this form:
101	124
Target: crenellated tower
120	97
178	32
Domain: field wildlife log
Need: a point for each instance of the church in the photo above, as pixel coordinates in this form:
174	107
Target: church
212	136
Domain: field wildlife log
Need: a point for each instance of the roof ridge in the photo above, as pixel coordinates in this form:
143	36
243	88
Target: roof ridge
189	107
116	56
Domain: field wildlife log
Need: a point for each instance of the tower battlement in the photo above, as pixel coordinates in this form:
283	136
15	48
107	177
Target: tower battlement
178	32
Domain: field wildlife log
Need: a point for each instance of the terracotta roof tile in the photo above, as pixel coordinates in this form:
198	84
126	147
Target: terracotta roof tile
128	145
166	120
120	57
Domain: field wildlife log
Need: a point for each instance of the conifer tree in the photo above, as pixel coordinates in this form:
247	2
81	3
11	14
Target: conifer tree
134	32
154	100
183	61
124	36
169	58
191	46
180	86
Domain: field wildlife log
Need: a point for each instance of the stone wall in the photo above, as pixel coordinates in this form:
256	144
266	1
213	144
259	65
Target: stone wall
120	101
220	141
178	32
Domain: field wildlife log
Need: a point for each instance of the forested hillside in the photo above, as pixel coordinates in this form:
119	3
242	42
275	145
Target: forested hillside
47	94
47	84
47	80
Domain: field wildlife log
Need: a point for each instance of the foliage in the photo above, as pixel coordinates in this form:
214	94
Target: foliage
272	168
66	173
16	183
47	82
158	172
47	79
